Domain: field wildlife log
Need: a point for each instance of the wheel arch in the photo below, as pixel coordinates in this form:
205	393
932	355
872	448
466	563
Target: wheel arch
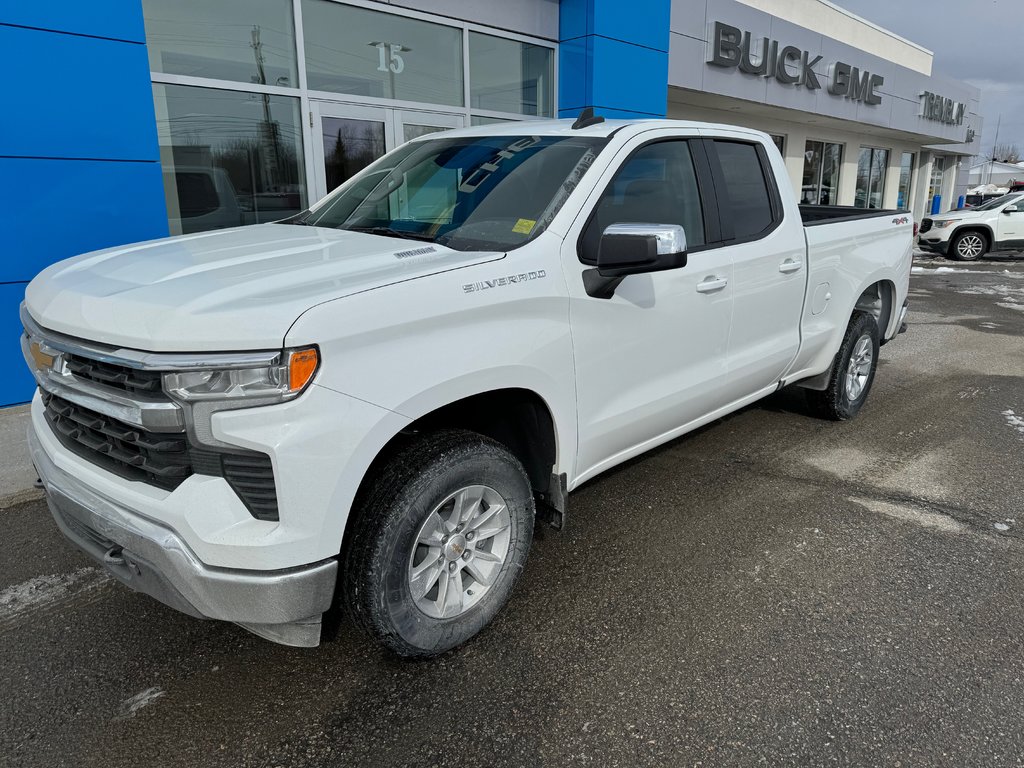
983	229
879	300
518	418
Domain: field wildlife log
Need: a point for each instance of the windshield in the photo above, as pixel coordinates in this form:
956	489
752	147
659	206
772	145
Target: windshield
998	202
468	193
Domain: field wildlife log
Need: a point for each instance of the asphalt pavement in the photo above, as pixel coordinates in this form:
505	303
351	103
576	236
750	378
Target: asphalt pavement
772	589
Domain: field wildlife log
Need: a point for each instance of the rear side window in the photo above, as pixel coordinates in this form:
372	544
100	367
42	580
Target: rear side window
746	201
656	185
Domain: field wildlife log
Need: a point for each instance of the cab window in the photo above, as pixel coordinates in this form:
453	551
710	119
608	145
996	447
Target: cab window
656	185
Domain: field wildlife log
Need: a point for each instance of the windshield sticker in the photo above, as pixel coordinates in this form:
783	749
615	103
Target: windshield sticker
524	226
415	252
522	277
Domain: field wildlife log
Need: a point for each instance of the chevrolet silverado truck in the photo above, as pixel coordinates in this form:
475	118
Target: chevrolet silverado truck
367	406
969	234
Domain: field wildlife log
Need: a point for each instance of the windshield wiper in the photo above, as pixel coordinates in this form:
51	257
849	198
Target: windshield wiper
392	232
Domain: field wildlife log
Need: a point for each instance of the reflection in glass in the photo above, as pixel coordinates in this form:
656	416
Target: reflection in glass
871	168
349	146
369	53
509	76
252	41
821	173
412	131
481	120
229	158
906	175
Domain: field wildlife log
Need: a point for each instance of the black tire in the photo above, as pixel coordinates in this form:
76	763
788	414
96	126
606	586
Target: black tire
834	402
968	246
402	495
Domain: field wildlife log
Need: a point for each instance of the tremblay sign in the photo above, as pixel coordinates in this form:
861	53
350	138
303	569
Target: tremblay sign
733	48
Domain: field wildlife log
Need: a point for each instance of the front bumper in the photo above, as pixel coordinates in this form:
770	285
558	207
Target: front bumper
281	605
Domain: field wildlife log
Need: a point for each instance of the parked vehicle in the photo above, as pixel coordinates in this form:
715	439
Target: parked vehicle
370	404
969	234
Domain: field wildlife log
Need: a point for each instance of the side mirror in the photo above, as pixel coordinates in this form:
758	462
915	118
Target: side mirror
1011	209
630	249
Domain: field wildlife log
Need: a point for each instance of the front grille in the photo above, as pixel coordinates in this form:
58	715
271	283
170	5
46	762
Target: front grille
157	458
162	459
117	376
926	224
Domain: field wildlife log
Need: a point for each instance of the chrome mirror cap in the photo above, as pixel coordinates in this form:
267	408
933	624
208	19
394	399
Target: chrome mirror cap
671	238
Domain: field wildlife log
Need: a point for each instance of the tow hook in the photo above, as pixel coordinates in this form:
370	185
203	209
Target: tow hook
114	556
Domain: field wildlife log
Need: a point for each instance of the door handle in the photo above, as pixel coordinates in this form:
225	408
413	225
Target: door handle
789	266
710	284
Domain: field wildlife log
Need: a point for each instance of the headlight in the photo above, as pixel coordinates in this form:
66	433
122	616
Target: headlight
946	223
281	381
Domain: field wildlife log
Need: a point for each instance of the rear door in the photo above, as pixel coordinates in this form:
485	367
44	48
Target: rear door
652	357
768	254
1010	227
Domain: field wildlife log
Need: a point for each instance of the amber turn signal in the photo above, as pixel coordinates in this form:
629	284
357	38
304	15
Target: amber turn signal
302	364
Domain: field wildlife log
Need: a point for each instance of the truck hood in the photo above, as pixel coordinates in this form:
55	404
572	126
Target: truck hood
232	289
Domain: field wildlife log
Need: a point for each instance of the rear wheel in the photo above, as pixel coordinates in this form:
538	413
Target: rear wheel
852	373
968	246
438	543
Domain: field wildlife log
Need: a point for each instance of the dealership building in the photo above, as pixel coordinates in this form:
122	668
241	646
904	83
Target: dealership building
129	120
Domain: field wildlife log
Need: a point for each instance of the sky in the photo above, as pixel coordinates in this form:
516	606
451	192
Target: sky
974	40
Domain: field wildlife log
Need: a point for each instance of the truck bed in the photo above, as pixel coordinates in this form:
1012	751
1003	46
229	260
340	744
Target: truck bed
813	215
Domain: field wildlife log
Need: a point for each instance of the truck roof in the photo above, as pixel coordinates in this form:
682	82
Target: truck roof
564	127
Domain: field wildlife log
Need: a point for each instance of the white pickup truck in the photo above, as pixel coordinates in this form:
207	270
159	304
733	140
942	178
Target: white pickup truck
369	405
968	234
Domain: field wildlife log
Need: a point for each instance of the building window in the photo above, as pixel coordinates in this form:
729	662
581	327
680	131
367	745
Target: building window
225	72
509	76
370	53
780	142
822	162
229	158
871	167
252	41
906	179
481	120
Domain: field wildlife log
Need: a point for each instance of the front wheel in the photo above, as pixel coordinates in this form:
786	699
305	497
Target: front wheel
853	371
438	542
968	246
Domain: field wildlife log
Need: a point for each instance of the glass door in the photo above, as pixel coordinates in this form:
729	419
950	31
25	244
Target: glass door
410	124
349	139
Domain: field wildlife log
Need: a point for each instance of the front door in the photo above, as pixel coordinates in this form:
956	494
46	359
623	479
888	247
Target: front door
352	137
653	357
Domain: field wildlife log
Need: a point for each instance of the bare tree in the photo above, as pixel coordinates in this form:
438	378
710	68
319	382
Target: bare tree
1007	153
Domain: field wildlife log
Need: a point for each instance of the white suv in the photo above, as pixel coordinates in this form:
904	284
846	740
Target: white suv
966	235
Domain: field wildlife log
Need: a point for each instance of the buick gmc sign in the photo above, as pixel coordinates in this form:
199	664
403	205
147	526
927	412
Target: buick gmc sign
733	48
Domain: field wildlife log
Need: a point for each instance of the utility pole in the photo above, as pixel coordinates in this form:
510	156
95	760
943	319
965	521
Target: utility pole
269	127
992	162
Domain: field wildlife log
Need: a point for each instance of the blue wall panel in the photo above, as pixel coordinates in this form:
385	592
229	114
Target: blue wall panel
629	77
613	56
640	22
61	208
78	148
86	97
16	385
116	19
